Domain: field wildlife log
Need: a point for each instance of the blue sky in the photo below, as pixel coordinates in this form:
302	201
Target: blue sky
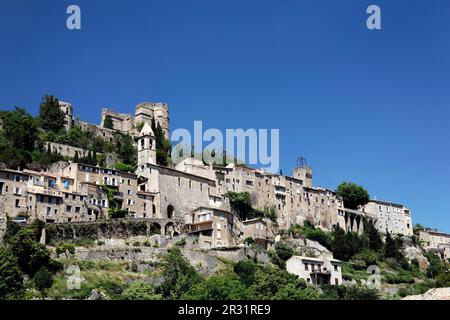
366	106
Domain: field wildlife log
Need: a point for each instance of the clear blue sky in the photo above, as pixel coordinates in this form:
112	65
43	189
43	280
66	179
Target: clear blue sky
371	107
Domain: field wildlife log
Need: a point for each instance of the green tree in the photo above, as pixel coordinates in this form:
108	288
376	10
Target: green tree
43	280
179	276
373	236
392	248
353	195
18	137
246	269
241	204
31	255
218	287
283	250
269	280
163	146
436	266
11	279
140	291
52	118
417	228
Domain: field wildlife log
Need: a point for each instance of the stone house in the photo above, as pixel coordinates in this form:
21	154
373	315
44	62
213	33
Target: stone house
214	227
392	217
316	271
437	241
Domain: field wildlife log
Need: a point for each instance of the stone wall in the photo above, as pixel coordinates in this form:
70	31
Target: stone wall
66	150
111	229
2	219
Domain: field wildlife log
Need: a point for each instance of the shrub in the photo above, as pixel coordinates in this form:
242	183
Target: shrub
136	244
246	269
369	257
283	250
11	279
181	242
140	291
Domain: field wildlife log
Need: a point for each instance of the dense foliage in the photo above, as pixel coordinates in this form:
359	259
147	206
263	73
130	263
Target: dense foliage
353	195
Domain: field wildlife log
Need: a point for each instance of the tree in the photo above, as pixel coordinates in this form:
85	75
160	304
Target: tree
283	250
179	276
391	249
417	228
163	146
52	118
436	267
18	137
218	287
268	281
246	269
107	122
11	279
31	255
76	157
353	195
240	202
373	236
43	280
140	291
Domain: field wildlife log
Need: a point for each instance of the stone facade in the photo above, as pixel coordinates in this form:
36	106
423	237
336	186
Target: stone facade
392	217
437	241
74	192
2	219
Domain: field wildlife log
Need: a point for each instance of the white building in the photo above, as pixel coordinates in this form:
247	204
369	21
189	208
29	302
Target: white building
316	270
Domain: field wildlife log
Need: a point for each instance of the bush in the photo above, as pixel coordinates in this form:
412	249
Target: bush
181	242
369	257
136	244
246	269
65	248
179	276
11	279
218	287
283	250
331	292
140	291
443	280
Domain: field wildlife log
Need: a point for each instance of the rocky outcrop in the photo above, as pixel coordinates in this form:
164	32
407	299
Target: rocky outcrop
412	253
432	294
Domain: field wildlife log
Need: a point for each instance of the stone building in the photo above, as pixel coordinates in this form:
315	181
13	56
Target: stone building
437	241
213	227
258	230
393	218
316	271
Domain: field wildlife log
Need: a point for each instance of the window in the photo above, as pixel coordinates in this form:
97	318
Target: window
335	267
306	266
68	208
77	209
219	227
17	203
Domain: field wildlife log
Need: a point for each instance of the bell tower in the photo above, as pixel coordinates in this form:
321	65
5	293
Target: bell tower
146	144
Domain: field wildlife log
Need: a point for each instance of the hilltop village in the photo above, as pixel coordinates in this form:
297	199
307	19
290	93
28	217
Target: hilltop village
213	207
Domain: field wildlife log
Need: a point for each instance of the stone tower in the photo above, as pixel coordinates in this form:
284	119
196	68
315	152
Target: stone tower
146	144
67	108
146	111
303	172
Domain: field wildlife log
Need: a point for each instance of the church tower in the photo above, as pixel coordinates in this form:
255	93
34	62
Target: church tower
146	144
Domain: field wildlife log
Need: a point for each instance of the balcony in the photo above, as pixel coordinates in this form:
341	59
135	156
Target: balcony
200	226
118	195
320	271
